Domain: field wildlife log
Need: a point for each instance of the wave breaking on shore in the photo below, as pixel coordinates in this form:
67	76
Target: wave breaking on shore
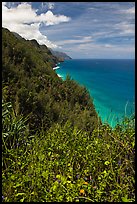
57	67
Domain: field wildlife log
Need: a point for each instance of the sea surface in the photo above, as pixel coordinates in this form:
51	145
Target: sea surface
110	82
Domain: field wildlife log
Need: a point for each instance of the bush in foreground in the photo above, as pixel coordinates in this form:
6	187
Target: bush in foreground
66	163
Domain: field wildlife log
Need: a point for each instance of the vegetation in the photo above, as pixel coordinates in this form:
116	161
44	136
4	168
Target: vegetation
33	87
54	146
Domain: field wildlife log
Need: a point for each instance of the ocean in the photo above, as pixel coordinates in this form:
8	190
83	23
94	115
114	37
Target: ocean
110	82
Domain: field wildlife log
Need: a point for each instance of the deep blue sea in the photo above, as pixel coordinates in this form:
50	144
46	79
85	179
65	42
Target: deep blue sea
111	84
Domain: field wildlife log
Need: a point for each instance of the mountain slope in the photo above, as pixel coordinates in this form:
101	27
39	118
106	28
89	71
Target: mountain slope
34	89
60	55
17	35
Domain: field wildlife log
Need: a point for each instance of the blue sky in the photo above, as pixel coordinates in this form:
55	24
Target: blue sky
80	29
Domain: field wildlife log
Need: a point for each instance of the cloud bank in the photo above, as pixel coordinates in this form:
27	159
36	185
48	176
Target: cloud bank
83	30
24	20
85	39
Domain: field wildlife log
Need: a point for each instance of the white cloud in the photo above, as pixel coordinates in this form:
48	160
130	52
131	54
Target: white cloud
129	11
92	8
46	5
94	50
50	19
108	46
51	5
85	39
125	28
43	6
25	21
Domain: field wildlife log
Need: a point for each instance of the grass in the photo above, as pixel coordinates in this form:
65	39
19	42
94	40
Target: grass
67	164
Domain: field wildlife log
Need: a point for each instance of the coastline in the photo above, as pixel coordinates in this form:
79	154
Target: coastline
59	76
58	67
109	112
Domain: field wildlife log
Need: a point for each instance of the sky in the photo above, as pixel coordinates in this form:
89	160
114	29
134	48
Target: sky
83	30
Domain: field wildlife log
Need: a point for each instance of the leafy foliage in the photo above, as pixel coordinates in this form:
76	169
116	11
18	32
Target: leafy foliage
67	164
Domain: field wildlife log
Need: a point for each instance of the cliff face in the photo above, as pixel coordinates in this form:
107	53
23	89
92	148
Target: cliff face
60	55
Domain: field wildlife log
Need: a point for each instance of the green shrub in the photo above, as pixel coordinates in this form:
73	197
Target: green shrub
67	164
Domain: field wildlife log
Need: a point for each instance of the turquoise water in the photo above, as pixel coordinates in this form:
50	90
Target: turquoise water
111	84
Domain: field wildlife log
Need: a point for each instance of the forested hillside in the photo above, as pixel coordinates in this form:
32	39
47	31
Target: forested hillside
54	145
33	87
